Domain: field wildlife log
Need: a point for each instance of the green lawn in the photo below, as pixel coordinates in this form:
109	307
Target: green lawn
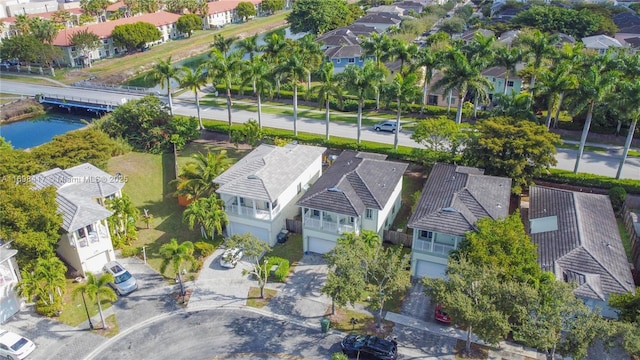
626	240
290	250
74	313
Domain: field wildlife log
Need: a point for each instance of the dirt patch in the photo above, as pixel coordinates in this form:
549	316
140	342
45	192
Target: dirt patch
182	300
478	352
20	109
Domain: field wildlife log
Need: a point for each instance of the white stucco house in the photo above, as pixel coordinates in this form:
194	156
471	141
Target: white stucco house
9	276
453	199
82	190
359	191
260	191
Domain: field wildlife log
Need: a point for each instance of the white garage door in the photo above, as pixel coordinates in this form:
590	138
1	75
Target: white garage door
320	246
95	263
429	269
262	234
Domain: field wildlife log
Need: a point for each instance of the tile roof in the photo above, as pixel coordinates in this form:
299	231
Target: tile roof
337	40
455	197
501	72
470	34
45	15
600	42
349	51
226	5
379	18
116	6
104	29
585	246
77	190
354	182
266	172
631	29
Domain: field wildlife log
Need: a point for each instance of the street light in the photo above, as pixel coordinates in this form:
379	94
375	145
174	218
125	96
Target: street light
87	310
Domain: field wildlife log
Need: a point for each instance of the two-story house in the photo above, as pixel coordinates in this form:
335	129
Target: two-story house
82	191
578	240
223	12
359	191
600	43
9	277
260	191
453	199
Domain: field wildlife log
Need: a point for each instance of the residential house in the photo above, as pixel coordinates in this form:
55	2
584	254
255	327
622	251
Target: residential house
387	9
164	21
600	43
343	56
82	191
409	6
359	191
342	46
9	277
508	37
469	35
223	12
497	75
380	21
260	191
578	240
453	199
438	97
7	25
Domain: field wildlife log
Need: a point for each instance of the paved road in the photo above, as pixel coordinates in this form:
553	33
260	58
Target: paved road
594	163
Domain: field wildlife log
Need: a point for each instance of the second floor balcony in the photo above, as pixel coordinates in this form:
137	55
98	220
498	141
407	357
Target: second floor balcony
247	211
329	222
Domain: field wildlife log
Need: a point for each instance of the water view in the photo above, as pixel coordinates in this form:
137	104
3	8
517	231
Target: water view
33	132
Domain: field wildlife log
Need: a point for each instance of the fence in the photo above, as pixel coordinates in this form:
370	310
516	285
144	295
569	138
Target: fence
116	88
396	238
632	225
294	226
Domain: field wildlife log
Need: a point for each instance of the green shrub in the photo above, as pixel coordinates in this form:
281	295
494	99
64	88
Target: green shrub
197	265
129	251
590	180
282	272
617	195
339	356
204	249
49	310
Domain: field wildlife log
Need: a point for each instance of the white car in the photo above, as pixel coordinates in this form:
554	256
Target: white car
14	346
230	257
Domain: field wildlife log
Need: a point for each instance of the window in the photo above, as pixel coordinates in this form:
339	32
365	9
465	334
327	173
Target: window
299	187
274	204
338	61
352	60
368	214
393	210
73	48
426	234
81	233
105	41
316	213
510	83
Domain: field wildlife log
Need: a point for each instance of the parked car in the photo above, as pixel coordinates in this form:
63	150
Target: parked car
124	283
230	257
442	315
369	347
386	126
14	346
282	237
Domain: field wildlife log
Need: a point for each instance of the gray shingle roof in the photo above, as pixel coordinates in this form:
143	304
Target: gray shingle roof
455	197
350	51
356	181
78	189
379	18
268	171
586	247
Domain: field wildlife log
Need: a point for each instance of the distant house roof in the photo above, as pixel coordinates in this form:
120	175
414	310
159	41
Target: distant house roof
333	40
356	181
342	52
625	19
104	29
266	172
631	29
116	6
380	18
600	42
500	72
388	9
219	6
634	42
578	240
468	35
410	5
508	37
45	15
564	39
78	189
455	197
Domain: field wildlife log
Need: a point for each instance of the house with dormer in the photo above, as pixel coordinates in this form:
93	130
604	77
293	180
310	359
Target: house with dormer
260	191
358	191
578	241
453	199
81	194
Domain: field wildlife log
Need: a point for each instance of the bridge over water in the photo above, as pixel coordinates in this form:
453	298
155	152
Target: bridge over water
66	102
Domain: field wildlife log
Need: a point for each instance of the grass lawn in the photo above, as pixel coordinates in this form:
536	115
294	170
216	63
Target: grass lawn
254	300
597	149
148	186
364	323
291	250
74	313
30	79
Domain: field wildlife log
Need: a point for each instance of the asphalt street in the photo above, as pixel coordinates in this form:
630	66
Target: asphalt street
593	163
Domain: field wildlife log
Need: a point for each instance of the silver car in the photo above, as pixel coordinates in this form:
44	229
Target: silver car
124	283
230	258
386	126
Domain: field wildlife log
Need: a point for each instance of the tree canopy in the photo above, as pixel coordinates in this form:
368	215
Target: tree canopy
135	36
271	6
245	10
577	23
318	17
189	23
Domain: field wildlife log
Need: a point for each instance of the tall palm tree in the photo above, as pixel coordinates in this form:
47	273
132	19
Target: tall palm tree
515	105
405	52
258	73
362	82
311	54
30	287
628	99
596	82
538	47
97	289
176	255
461	75
274	48
196	179
329	88
553	84
249	45
208	213
378	46
194	80
404	91
223	44
429	61
508	57
481	48
51	273
224	68
295	69
162	73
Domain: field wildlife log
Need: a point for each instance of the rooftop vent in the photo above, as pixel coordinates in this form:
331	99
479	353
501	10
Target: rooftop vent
334	189
253	177
449	209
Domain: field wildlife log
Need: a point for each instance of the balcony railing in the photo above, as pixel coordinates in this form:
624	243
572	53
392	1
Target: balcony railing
248	212
328	226
433	247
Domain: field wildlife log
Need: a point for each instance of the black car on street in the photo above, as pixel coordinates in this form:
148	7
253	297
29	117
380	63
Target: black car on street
369	347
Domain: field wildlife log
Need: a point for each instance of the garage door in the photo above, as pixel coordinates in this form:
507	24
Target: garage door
95	263
429	269
262	234
320	246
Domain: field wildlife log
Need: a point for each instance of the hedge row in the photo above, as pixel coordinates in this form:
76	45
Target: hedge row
590	180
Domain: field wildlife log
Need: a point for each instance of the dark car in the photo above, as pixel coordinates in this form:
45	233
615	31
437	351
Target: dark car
369	347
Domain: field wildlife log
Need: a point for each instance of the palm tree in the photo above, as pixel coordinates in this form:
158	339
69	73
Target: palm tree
223	44
97	289
328	89
596	82
30	287
508	58
429	61
361	82
249	45
125	214
379	47
295	68
274	49
628	99
194	80
515	105
196	179
311	54
554	83
257	72
176	254
404	90
481	48
163	72
51	273
224	69
208	213
403	51
461	75
539	46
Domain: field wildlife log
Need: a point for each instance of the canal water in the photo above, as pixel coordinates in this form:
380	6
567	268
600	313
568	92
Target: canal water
29	133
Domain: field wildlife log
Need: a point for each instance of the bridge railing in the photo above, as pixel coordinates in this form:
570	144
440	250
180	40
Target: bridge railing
119	88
